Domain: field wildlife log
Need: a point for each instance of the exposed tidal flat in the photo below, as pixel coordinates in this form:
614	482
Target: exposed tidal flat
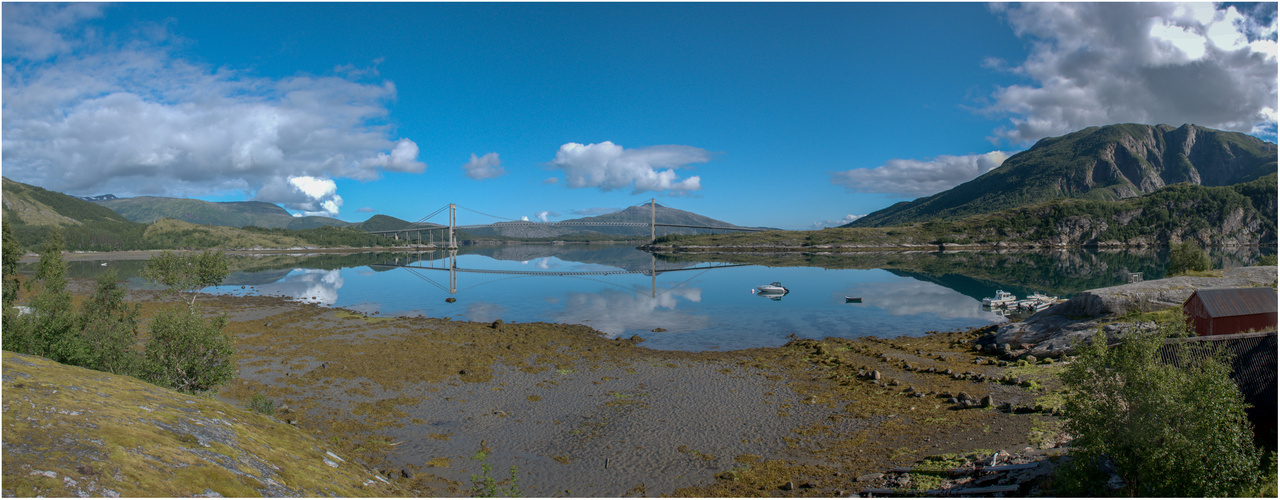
577	414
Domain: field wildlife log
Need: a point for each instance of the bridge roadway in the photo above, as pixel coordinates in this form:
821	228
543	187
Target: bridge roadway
435	227
562	273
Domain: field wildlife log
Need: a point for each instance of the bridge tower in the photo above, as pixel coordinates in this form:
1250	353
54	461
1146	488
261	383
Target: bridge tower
453	222
653	220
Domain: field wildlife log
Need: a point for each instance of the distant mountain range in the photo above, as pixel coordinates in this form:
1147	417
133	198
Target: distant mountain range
1098	163
109	218
148	209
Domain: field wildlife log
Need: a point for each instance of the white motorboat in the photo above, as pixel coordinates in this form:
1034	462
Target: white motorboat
772	289
1001	299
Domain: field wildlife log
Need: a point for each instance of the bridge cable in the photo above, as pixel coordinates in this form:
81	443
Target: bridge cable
487	215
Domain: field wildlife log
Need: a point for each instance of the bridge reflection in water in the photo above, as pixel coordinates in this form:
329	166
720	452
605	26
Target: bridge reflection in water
448	262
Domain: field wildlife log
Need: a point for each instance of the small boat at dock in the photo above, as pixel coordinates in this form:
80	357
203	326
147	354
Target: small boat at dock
1002	299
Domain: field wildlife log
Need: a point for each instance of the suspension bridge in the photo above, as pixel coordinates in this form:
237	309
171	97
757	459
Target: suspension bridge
413	263
421	225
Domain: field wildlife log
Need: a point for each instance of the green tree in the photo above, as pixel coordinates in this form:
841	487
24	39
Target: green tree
49	329
10	254
185	351
1185	257
186	274
1169	431
12	251
110	327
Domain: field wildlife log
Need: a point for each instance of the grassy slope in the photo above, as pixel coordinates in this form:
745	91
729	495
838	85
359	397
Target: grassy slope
70	431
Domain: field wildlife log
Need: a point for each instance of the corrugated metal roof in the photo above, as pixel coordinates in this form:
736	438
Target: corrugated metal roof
1222	302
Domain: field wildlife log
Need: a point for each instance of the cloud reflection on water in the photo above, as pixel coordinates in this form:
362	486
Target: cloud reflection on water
912	297
614	311
312	286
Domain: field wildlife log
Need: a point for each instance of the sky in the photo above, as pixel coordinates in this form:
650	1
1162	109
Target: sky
786	115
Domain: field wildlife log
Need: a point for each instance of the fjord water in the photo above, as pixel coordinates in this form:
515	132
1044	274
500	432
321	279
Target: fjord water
689	304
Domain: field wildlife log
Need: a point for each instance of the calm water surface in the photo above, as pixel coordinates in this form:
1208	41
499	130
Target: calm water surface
690	306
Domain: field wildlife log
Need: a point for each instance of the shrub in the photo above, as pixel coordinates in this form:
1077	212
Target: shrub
186	273
109	327
1168	431
186	352
49	330
1185	257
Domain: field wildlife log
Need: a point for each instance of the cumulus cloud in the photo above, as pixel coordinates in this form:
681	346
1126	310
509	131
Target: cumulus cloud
546	215
1099	63
305	194
86	113
838	222
918	177
609	166
484	167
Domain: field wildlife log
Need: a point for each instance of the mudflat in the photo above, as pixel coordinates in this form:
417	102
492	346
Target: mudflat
432	402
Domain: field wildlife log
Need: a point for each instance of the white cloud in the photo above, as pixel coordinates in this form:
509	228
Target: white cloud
304	194
484	167
1100	63
35	30
839	222
919	177
608	166
545	215
132	118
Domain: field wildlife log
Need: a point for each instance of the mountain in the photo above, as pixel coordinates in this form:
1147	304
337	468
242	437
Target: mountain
636	214
101	197
30	212
148	209
1098	163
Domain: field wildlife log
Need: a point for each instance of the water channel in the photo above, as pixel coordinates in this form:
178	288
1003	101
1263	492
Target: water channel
688	303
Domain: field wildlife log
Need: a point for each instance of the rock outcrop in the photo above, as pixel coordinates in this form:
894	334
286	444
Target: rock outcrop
1053	331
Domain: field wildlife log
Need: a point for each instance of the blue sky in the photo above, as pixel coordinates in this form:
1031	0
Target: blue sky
783	115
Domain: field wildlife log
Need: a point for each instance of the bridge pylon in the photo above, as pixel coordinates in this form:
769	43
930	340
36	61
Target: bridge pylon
453	223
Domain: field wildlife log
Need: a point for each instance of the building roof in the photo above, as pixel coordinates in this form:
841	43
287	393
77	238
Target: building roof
1223	302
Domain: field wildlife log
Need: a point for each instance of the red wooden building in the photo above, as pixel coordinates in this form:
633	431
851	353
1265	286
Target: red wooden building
1223	311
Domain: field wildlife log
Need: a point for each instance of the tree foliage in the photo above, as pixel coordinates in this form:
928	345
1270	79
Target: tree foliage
110	327
1185	257
186	352
186	274
1167	431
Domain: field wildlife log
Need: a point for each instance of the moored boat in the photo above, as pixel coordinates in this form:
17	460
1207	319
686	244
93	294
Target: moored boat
772	288
1001	299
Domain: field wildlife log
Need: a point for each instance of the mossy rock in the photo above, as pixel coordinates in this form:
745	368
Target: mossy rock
71	432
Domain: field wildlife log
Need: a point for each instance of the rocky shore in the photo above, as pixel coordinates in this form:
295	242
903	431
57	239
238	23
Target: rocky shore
1053	331
413	400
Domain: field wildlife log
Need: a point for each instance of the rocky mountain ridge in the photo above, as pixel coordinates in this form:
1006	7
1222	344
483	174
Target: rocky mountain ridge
1108	163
